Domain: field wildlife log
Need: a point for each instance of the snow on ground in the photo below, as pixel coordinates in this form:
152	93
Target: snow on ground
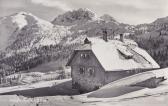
33	86
131	97
120	89
65	101
121	86
140	97
19	20
161	72
153	100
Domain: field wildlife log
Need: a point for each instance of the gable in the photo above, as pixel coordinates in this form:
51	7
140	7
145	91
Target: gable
77	59
71	58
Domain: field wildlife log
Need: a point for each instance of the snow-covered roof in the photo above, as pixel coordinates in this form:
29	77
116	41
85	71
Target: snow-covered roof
115	55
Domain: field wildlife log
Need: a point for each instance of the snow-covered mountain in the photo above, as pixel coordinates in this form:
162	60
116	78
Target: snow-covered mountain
23	34
83	22
23	31
12	26
29	41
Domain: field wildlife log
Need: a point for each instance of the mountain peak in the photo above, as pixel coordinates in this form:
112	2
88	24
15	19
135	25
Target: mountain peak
74	17
29	17
85	10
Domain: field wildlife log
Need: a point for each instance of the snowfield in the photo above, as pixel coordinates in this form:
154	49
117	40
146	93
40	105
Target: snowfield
137	98
32	86
125	85
131	95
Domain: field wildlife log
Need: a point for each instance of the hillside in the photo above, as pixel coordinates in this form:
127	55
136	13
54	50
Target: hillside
30	41
154	37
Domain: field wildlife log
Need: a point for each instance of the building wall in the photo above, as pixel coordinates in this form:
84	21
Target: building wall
115	75
111	76
87	81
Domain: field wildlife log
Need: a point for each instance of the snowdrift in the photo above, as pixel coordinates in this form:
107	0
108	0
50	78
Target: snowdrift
44	88
129	84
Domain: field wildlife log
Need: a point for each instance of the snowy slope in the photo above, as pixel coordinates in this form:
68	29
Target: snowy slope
121	86
33	86
124	85
23	31
25	37
11	26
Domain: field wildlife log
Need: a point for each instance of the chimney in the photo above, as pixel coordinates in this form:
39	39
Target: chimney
121	37
105	35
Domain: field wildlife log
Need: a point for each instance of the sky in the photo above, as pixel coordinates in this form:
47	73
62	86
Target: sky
126	11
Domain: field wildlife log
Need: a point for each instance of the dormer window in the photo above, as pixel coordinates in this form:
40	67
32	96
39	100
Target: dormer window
125	53
84	55
86	41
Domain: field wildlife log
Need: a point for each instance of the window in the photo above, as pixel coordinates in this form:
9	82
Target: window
137	70
84	55
82	70
91	71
